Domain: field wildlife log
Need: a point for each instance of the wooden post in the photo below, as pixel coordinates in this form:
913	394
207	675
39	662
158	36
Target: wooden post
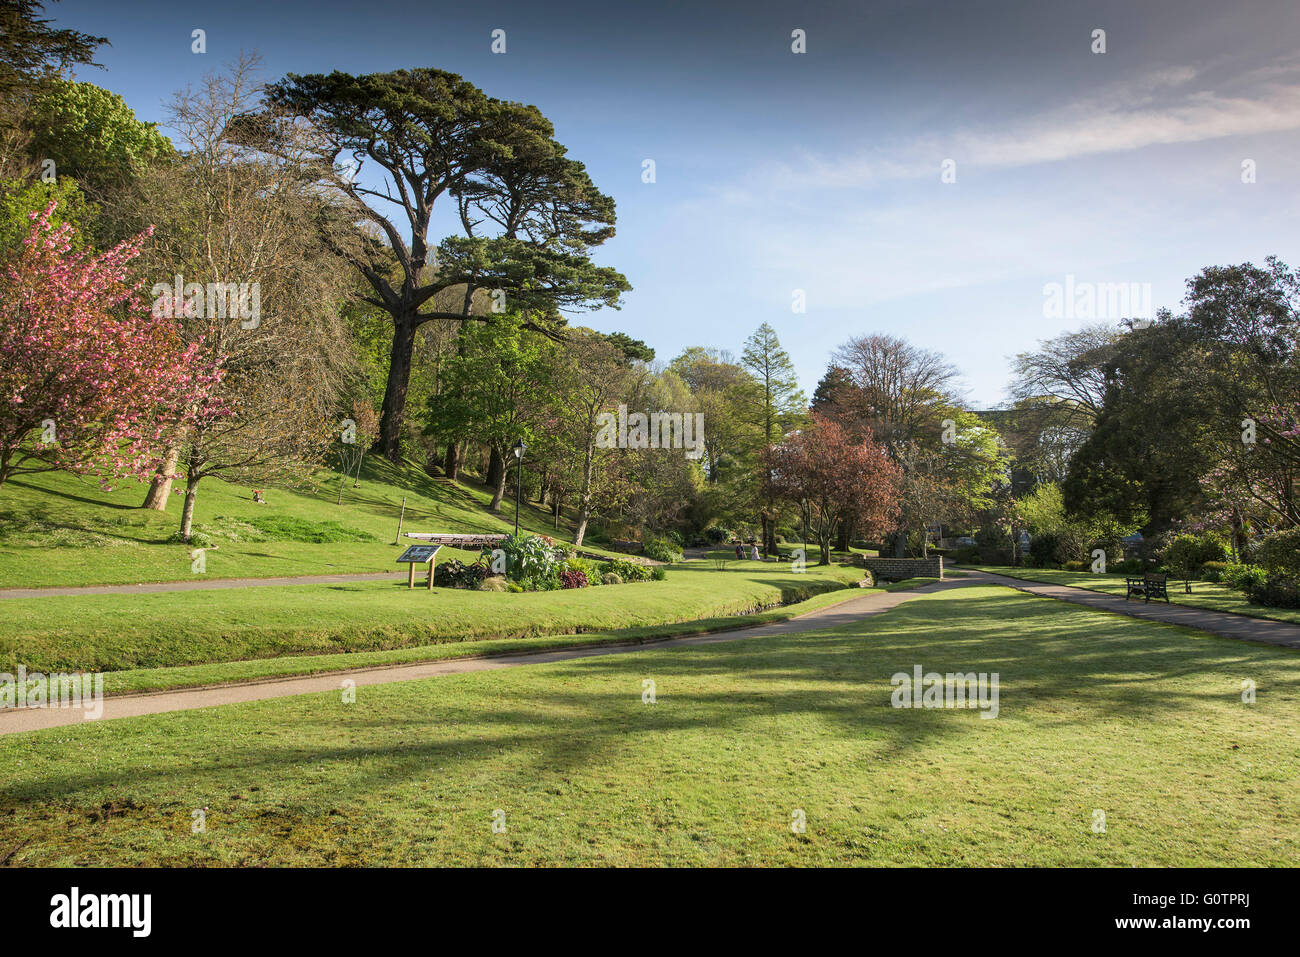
400	518
410	574
433	560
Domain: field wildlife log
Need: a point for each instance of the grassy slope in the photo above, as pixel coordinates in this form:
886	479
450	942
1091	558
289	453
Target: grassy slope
56	529
1206	595
192	676
1143	721
114	632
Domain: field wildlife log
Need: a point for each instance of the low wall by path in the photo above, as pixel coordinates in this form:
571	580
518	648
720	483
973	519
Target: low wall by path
898	569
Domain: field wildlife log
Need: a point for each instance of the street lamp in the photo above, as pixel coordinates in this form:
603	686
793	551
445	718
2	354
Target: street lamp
519	449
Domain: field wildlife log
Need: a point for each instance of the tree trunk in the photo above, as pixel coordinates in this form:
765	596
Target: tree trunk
187	513
900	543
160	489
584	497
451	462
497	474
846	535
389	442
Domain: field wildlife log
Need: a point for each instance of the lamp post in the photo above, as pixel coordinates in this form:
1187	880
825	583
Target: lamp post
519	449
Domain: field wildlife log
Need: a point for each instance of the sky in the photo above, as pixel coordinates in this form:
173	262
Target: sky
823	172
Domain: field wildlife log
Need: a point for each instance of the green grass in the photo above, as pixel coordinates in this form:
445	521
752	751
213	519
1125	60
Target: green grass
193	676
132	631
59	530
1207	595
1141	720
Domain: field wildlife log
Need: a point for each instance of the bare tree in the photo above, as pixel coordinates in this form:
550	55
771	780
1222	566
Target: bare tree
248	226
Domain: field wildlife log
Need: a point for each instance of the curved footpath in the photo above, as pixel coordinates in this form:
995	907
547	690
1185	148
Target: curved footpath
159	702
1223	623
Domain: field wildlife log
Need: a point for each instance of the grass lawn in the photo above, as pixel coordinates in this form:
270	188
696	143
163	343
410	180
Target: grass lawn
57	529
132	631
1140	720
1208	595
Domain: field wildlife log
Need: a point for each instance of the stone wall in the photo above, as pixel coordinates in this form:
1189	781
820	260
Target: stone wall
897	569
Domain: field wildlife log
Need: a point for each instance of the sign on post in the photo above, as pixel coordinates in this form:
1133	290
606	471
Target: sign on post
419	555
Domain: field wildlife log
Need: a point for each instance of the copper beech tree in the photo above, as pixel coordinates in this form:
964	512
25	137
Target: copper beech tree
837	479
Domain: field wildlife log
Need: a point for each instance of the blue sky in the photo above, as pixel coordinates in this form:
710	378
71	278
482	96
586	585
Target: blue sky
821	171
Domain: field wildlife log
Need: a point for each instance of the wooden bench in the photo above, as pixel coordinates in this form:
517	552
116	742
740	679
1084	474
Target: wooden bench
1148	586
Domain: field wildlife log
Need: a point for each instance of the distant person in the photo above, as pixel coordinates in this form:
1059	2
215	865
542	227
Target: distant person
753	553
257	496
740	550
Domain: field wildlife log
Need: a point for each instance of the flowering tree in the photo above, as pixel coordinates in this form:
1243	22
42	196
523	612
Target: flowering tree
837	480
90	381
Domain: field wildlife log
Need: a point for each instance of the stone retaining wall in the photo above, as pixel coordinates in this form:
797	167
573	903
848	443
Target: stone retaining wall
897	569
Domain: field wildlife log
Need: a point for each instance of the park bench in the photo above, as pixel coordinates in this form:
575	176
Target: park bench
1148	586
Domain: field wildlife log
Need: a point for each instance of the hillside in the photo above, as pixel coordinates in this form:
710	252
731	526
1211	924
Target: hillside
57	529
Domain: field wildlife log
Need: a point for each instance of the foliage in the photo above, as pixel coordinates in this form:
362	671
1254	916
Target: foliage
1187	553
573	578
839	481
532	561
1279	553
1215	571
92	135
454	573
89	379
612	578
630	571
662	550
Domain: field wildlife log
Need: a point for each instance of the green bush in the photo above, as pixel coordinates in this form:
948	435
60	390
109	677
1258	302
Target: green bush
611	578
1276	593
716	534
456	574
967	555
1076	566
495	583
658	573
662	550
532	561
1042	551
629	571
1279	554
1215	571
1186	553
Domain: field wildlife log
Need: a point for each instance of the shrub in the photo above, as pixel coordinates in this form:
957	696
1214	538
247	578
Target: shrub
630	571
1279	554
573	578
531	560
494	583
1215	571
658	573
456	574
611	578
1275	592
1186	553
716	534
1129	566
1075	566
662	550
966	555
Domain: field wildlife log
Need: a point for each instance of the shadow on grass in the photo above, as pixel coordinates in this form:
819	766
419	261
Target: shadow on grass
1059	666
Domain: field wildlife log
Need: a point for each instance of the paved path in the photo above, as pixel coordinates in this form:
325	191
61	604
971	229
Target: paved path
1222	623
203	584
125	706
